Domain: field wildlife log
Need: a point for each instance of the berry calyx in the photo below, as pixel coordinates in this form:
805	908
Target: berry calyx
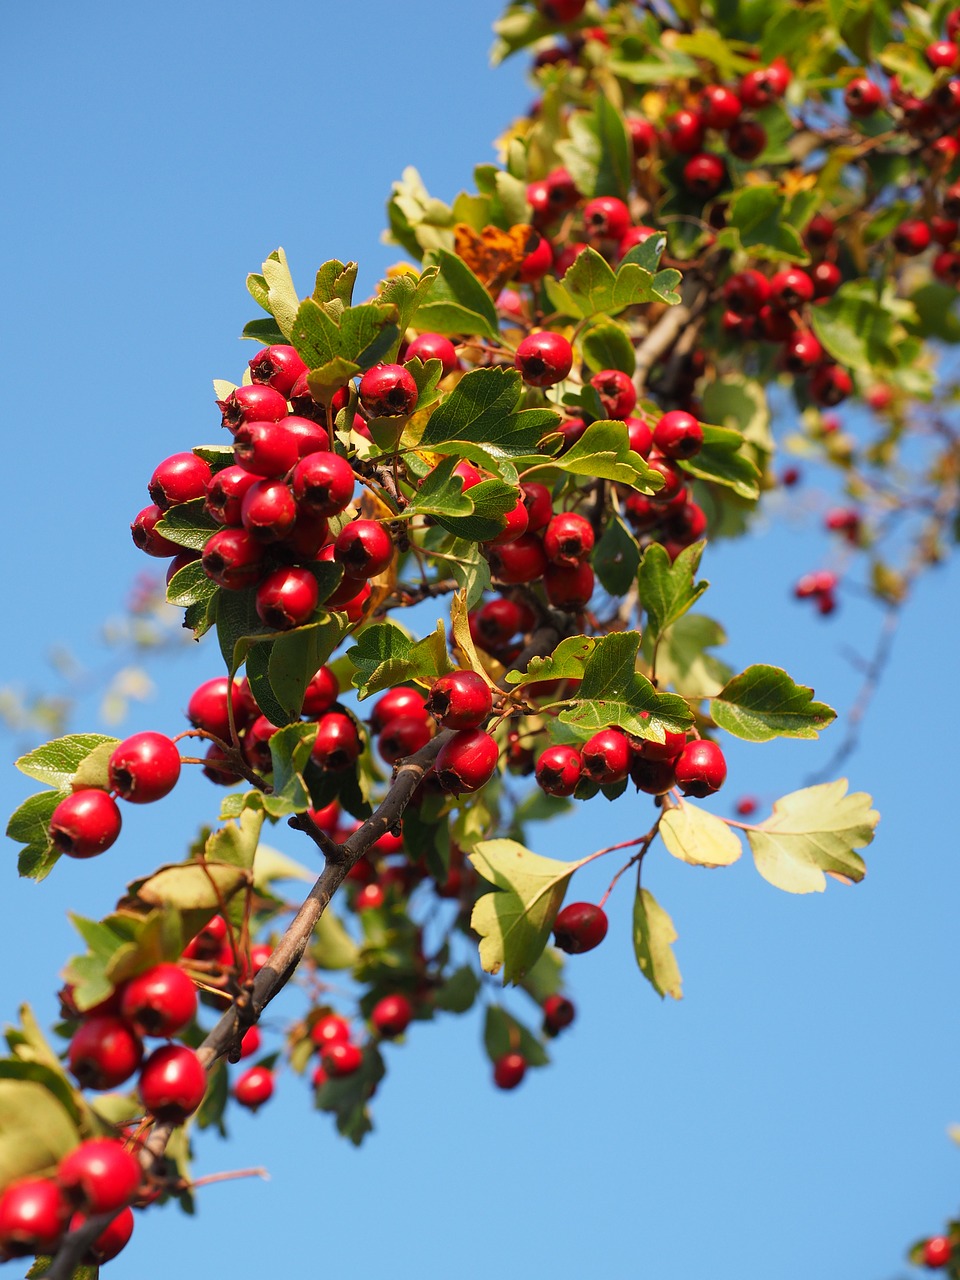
162	1001
580	927
460	700
388	391
172	1083
99	1175
509	1070
467	762
700	768
144	767
544	359
85	823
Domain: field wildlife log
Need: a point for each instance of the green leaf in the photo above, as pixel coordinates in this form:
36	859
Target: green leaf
936	308
368	332
683	662
757	216
763	703
470	570
858	327
327	379
739	403
653	934
235	843
813	831
481	411
188	524
93	771
407	292
546	976
36	1131
290	750
280	669
275	291
515	921
614	693
440	493
237	625
29	825
56	762
700	838
668	590
607	345
616	557
192	886
316	335
720	462
458	992
270	865
266	331
604	451
335	281
386	655
503	1034
347	1096
491	500
458	302
598	153
332	946
567	662
191	585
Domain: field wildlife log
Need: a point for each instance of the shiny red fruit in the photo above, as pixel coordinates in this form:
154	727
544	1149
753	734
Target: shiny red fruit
33	1216
606	757
162	1001
392	1015
321	693
678	435
467	761
85	823
746	139
268	510
388	391
568	538
937	1252
278	367
144	767
266	449
558	770
254	1087
323	483
704	175
616	391
700	768
145	535
104	1052
99	1175
179	478
402	701
606	218
364	548
719	107
337	745
208	707
509	1070
341	1059
862	97
568	587
544	358
254	403
112	1240
580	927
522	560
234	559
460	700
172	1083
287	598
558	1012
402	737
330	1029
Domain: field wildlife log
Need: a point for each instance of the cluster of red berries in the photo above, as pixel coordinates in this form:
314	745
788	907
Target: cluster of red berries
611	756
821	588
143	768
99	1176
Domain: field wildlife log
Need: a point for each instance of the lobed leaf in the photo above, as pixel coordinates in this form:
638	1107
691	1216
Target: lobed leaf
813	831
763	702
700	838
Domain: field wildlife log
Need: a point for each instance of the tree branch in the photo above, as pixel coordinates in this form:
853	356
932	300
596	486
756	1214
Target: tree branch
668	328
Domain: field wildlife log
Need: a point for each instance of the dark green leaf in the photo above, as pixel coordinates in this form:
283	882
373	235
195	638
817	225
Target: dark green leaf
265	331
191	585
567	662
481	411
238	625
458	302
722	460
604	451
614	693
503	1034
327	379
763	703
28	825
280	669
616	557
55	763
316	335
290	750
188	524
385	655
458	992
491	500
858	327
757	216
668	590
607	345
406	292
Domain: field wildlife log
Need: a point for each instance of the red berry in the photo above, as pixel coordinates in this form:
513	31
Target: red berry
544	358
827	279
568	587
944	230
330	1029
402	737
942	53
208	707
700	768
207	943
678	435
287	598
256	744
561	11
268	510
112	1240
719	107
568	539
606	218
388	391
162	1001
250	1043
99	1175
616	391
684	132
266	449
522	560
337	744
392	1015
255	403
516	524
179	478
321	693
104	1052
311	436
509	1070
911	237
937	1252
144	767
538	261
172	1083
635	236
434	346
802	351
746	806
341	1058
639	436
790	288
653	777
539	503
364	548
642	134
668	749
606	756
946	268
225	494
233	558
820	230
467	762
759	88
460	700
33	1216
862	97
746	292
746	139
254	1087
323	483
704	174
144	533
558	1012
830	384
278	367
673	478
580	927
85	823
558	770
571	430
402	701
565	257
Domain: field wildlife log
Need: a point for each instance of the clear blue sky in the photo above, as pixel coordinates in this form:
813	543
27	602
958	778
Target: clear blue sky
787	1119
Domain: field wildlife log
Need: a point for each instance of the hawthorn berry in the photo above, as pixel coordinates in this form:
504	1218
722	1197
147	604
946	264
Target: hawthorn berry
746	291
207	943
111	1241
558	770
179	478
802	351
85	823
392	1015
323	483
633	237
684	131
341	1058
516	524
827	279
256	745
364	548
937	1252
254	1087
639	436
643	135
267	449
538	261
829	384
172	1083
539	503
268	510
330	1029
388	391
161	1001
522	560
321	693
337	744
568	538
544	358
287	598
911	237
278	367
668	749
250	1042
401	737
254	403
672	476
467	761
678	435
567	586
460	700
144	767
700	768
434	346
100	1175
401	701
606	218
790	289
225	494
558	1012
616	391
147	537
862	97
606	756
746	139
104	1052
704	174
580	927
509	1070
33	1216
208	708
233	558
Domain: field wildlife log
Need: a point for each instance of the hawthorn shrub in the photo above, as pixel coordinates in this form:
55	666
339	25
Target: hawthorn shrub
538	423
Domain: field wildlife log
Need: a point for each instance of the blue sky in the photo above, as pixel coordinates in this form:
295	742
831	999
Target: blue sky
788	1117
